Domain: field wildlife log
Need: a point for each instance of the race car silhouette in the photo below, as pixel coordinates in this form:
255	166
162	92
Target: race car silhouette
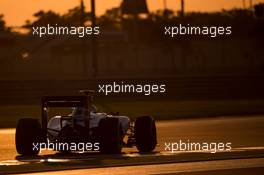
84	125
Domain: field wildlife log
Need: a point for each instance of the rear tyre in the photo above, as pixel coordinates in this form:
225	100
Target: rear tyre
28	131
110	136
145	134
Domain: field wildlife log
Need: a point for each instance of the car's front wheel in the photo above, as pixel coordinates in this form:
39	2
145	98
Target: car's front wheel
145	134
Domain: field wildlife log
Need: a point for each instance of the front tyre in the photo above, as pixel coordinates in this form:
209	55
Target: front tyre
145	134
28	131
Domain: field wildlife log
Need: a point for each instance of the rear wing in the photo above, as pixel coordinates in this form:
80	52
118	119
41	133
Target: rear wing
64	101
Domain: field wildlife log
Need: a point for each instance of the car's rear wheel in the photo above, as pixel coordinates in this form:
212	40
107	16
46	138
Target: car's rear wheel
145	134
28	131
110	136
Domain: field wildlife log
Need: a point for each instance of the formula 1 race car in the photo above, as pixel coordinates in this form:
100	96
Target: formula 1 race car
104	133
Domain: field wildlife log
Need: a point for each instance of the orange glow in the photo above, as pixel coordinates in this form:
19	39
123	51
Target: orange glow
16	12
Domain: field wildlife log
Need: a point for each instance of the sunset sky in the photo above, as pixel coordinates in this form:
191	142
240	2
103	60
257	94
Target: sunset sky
17	11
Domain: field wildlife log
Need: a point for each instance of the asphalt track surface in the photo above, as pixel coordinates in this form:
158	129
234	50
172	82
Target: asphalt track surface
246	156
237	166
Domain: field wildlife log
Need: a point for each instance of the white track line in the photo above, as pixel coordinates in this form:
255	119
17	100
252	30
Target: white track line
70	159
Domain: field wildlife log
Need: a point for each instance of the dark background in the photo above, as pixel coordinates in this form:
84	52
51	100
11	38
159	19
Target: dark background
132	48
